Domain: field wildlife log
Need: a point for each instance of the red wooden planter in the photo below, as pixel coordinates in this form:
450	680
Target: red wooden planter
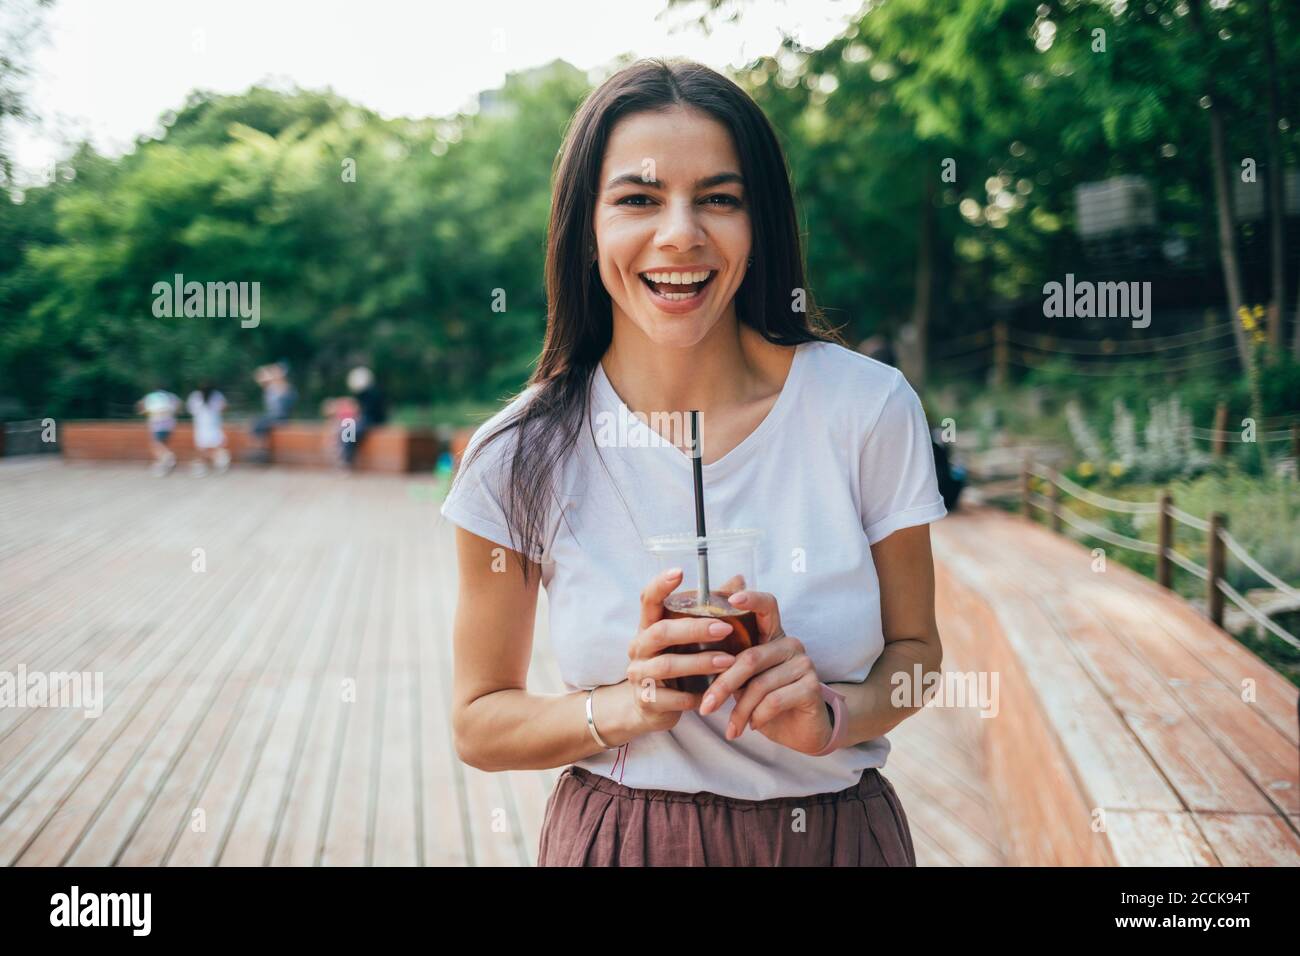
386	448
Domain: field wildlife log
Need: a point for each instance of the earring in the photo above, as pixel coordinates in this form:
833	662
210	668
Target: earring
749	261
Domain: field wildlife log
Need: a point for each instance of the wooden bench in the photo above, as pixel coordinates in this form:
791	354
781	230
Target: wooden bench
1131	731
386	448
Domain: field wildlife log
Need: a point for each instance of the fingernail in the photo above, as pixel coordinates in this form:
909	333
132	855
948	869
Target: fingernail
672	573
708	702
731	731
718	629
740	598
722	660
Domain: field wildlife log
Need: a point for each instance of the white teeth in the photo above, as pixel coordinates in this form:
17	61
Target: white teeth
678	278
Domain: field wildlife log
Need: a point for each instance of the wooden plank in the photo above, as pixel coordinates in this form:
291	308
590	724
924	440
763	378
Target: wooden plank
395	829
301	837
1218	651
123	730
226	776
1249	839
159	738
1173	679
1132	671
446	825
250	834
1218	751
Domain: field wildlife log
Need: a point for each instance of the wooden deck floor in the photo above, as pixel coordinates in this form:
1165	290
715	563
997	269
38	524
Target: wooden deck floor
288	704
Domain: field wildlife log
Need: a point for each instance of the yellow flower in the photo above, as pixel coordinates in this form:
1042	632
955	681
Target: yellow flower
1085	468
1116	469
1259	311
1259	337
1247	320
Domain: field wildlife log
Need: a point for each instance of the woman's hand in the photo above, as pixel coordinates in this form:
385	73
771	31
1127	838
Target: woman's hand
657	706
778	691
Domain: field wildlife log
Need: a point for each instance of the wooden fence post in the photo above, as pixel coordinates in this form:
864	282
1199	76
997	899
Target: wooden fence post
1054	494
1024	488
1166	539
1213	596
1219	443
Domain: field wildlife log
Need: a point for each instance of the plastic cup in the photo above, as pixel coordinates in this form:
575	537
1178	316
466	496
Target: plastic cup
732	558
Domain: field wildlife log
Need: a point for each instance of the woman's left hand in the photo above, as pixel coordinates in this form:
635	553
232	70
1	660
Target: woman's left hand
778	691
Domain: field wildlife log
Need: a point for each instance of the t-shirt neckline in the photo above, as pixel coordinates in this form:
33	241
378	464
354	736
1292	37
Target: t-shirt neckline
611	401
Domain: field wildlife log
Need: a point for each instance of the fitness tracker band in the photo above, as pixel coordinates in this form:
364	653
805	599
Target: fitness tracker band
835	701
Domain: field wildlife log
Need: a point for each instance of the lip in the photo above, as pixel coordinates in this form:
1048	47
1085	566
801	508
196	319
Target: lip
679	306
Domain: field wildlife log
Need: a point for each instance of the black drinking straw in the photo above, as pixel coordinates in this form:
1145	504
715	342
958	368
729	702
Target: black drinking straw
702	551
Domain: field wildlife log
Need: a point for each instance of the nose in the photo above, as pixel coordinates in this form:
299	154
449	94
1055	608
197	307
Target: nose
679	228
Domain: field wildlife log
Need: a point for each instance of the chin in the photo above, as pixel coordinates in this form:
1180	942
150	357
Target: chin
671	331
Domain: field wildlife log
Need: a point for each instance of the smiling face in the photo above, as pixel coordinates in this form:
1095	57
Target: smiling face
672	224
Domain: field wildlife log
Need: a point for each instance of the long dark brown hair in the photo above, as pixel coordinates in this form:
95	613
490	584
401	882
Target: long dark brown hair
579	323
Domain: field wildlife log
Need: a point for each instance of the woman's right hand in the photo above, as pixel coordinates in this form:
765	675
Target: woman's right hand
657	706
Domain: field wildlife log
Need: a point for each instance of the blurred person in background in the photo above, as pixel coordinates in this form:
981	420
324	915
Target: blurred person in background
371	411
877	347
950	476
278	397
160	407
205	406
338	412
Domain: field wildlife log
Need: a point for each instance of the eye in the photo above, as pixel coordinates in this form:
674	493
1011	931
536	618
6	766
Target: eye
624	200
727	199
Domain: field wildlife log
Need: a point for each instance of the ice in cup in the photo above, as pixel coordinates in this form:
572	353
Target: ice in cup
731	557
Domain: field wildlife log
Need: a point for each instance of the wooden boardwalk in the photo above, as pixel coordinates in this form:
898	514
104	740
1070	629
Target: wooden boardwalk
275	649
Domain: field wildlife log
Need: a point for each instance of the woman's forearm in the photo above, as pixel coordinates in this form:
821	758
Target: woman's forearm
514	730
868	707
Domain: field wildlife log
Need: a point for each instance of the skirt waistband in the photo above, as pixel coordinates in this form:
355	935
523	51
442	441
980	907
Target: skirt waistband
871	783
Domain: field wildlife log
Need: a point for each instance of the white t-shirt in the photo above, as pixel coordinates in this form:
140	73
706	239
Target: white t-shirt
842	460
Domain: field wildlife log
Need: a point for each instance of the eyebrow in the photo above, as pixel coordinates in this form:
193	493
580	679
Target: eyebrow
634	179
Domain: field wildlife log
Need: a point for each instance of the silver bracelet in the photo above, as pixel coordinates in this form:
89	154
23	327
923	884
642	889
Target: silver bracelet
591	721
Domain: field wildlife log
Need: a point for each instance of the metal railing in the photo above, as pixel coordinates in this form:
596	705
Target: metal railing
1219	542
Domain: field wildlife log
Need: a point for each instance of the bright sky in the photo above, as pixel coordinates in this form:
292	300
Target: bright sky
110	69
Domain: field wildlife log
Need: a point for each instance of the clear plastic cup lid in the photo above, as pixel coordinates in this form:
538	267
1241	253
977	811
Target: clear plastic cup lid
714	540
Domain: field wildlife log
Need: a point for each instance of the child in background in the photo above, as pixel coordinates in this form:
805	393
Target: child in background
205	407
338	411
160	407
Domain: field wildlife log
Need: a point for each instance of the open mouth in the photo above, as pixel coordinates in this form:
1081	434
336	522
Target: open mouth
677	286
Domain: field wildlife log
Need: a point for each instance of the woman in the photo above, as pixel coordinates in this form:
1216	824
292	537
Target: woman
675	282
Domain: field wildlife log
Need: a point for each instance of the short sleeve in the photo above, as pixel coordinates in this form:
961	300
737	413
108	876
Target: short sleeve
899	485
477	499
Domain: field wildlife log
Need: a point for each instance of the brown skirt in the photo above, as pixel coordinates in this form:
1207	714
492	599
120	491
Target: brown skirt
594	821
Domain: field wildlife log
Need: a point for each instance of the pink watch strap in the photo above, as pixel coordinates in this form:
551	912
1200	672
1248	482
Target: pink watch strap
838	731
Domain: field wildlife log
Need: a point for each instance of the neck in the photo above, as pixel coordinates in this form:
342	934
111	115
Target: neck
721	371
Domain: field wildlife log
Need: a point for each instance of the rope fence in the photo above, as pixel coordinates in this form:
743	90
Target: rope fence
1220	543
